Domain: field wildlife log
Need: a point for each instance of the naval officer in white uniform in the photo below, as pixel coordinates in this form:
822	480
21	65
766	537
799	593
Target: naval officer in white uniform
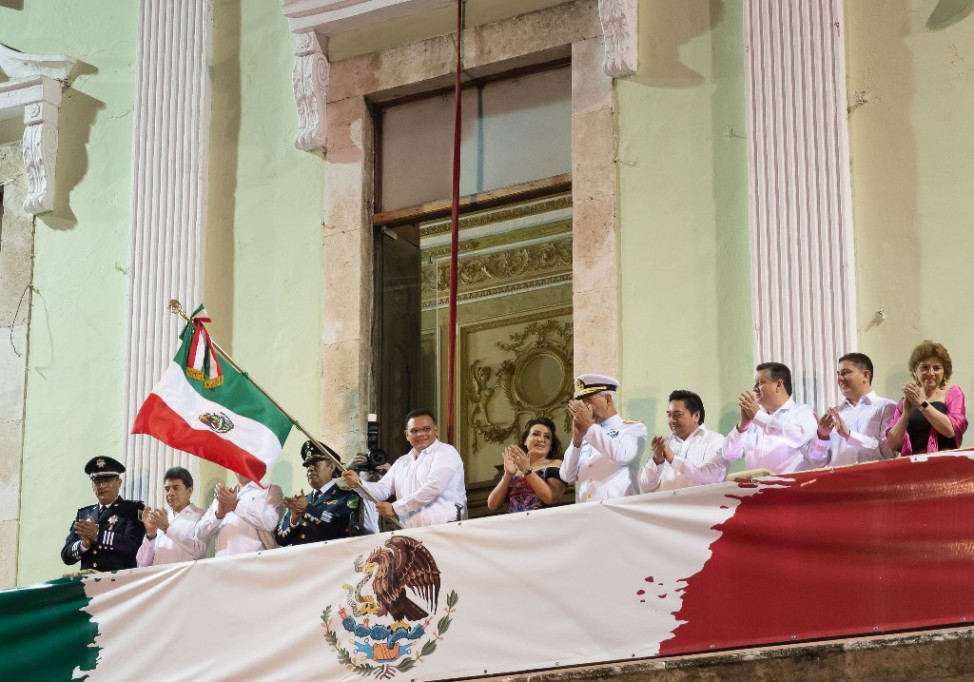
603	458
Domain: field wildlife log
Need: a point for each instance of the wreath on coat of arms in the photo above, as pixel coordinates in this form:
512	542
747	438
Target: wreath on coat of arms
388	631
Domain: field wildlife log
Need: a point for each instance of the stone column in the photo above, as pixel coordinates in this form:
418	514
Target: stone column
595	229
171	138
16	269
802	262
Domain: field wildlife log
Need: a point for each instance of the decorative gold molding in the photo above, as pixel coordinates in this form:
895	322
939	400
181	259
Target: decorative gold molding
541	338
476	271
541	283
438	227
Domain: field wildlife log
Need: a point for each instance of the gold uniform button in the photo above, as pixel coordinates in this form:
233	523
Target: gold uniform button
302	536
94	551
94	564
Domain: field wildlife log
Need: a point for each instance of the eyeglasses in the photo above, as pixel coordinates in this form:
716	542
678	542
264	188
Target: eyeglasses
930	368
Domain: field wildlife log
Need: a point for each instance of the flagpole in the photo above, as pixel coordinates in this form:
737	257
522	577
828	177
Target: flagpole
176	308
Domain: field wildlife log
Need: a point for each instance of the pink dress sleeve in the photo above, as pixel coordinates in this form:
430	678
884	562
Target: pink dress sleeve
957	413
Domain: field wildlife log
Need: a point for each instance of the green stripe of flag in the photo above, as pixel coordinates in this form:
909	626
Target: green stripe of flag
237	393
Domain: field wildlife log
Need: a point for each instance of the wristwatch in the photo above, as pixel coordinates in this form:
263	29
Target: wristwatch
528	471
924	405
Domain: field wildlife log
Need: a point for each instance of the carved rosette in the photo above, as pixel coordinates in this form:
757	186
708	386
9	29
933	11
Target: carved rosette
618	19
309	79
40	152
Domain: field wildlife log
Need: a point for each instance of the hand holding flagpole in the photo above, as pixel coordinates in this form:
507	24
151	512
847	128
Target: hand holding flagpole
177	309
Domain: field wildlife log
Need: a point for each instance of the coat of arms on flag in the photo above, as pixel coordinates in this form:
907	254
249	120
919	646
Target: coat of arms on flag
207	408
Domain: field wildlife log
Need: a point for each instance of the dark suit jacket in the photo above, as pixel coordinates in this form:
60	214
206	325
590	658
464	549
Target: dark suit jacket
337	514
119	536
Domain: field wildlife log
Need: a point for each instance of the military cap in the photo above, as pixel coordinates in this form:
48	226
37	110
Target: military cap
311	454
590	384
104	467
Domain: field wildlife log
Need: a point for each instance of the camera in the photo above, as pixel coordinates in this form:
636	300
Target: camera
375	456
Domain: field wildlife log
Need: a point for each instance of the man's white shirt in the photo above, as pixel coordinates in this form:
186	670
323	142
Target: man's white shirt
176	543
605	465
696	461
868	421
250	527
428	486
777	442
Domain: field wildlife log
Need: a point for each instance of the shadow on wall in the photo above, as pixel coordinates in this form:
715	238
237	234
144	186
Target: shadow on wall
661	36
76	118
222	174
949	12
883	150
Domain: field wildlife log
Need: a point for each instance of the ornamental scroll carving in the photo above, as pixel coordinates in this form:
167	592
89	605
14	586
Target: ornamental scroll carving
37	81
536	381
309	79
475	271
618	19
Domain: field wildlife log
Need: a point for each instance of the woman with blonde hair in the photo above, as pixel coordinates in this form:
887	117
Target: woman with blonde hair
530	479
931	416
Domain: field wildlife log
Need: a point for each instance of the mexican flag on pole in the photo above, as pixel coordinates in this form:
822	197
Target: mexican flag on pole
211	410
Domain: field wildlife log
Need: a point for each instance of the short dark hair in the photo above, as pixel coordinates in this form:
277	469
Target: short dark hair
777	371
179	474
550	425
860	360
420	413
691	400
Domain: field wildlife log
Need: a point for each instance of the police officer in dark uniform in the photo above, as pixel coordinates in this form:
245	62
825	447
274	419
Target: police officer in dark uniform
105	536
329	512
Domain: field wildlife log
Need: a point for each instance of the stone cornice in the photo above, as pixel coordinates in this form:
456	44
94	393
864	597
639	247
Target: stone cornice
313	21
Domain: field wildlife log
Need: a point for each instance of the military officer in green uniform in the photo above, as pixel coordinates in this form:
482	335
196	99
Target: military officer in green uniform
105	536
329	512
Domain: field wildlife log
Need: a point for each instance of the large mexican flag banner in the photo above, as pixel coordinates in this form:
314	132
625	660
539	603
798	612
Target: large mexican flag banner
204	406
860	550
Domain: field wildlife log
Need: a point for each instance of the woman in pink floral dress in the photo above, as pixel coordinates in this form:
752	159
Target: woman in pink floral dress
530	479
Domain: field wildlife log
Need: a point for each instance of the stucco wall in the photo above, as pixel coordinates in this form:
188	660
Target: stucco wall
77	323
264	246
911	131
686	313
263	251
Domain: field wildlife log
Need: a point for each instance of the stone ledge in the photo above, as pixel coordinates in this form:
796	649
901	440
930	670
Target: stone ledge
943	655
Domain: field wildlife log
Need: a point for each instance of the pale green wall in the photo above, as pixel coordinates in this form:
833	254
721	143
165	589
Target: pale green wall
912	146
263	250
77	334
265	220
686	313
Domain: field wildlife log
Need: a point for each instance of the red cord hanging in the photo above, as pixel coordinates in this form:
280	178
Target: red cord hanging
454	237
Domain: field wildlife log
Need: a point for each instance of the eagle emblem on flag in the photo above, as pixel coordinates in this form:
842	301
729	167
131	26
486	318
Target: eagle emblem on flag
218	421
386	624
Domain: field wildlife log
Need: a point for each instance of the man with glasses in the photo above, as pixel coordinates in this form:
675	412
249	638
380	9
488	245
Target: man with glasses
105	536
690	456
774	431
427	481
854	431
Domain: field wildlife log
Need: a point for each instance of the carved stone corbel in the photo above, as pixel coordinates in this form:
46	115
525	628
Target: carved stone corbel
40	155
619	29
36	91
309	79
